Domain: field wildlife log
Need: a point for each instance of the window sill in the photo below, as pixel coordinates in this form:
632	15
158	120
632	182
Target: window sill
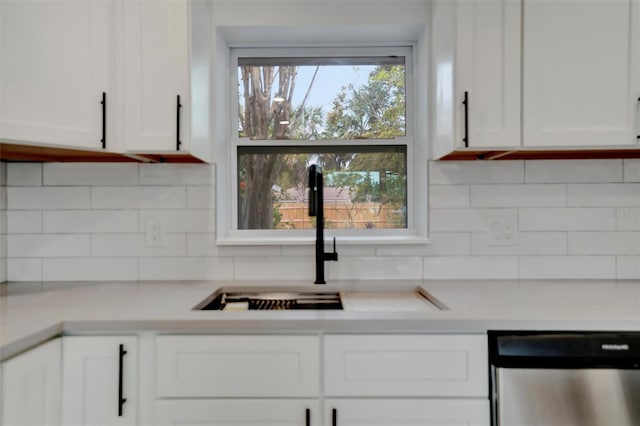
309	239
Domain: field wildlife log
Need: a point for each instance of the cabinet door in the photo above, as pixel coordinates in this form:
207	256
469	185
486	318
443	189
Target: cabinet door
488	70
156	67
55	66
97	380
580	72
407	412
406	365
237	366
227	412
31	386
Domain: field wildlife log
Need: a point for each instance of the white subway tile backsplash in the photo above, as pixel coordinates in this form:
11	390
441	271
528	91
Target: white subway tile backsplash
139	197
476	172
39	198
632	170
385	268
548	195
94	174
181	220
471	267
604	195
24	221
572	171
604	243
3	223
177	174
575	219
90	269
628	267
527	243
186	268
204	244
464	220
3	173
48	245
567	267
24	269
133	245
627	218
566	219
201	197
449	196
90	221
440	244
24	174
260	268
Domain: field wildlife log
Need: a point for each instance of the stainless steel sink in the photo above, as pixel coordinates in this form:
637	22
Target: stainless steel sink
268	299
297	298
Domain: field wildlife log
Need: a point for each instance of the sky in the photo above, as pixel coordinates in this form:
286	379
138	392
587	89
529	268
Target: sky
328	83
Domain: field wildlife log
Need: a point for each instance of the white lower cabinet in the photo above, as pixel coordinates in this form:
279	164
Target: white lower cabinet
406	412
237	412
376	380
99	380
409	380
238	366
31	384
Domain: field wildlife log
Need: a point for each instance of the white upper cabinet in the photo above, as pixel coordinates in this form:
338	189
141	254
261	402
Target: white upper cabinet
156	72
55	67
488	73
580	73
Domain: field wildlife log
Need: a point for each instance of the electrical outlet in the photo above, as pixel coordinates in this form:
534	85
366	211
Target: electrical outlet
503	230
154	233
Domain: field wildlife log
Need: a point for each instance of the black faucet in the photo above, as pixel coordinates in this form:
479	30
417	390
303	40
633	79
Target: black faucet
316	208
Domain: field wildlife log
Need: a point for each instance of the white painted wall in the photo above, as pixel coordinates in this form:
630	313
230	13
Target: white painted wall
576	219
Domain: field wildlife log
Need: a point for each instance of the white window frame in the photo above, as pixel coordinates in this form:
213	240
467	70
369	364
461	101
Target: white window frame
227	217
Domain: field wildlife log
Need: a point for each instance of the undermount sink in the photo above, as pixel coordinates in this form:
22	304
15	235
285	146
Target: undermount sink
289	298
269	299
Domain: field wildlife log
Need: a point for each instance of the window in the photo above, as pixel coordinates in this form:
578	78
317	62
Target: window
348	110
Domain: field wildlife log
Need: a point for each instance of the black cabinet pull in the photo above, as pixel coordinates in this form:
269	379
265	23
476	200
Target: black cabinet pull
466	119
178	107
121	400
334	417
307	417
104	120
638	101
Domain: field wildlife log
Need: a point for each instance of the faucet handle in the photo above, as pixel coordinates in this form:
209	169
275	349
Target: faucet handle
332	256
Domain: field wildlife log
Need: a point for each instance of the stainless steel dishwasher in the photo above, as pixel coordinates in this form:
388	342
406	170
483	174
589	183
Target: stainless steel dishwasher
564	378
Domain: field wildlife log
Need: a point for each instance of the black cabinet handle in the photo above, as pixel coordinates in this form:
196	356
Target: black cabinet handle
104	120
178	107
121	400
466	119
307	417
334	417
638	101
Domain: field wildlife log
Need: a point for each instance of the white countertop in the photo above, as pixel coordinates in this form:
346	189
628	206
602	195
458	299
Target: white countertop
31	313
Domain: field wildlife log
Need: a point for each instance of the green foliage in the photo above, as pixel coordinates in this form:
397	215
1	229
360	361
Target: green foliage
373	110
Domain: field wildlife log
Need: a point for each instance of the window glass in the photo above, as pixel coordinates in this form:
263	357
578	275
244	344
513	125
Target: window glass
335	98
346	109
365	187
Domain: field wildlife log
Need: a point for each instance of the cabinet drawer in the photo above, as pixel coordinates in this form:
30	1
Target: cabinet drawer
406	365
237	366
414	411
237	412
